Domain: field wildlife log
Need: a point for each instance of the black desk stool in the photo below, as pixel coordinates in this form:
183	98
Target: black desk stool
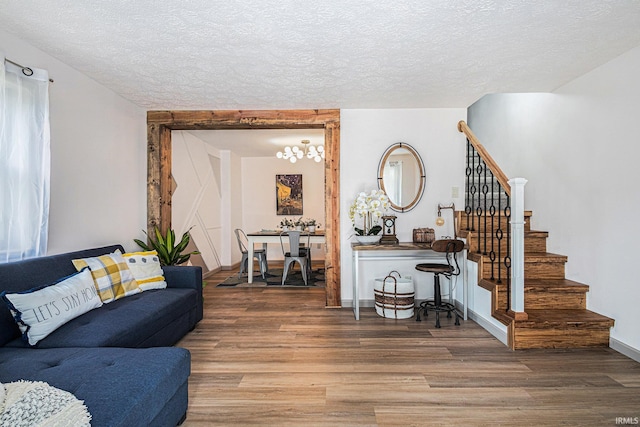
450	247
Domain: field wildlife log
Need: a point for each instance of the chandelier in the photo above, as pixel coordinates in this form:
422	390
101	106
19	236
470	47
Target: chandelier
309	151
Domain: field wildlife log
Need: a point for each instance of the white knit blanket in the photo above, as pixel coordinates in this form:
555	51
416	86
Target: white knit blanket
37	404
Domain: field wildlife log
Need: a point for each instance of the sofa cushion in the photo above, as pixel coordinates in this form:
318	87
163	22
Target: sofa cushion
128	322
146	269
41	310
111	275
119	386
22	275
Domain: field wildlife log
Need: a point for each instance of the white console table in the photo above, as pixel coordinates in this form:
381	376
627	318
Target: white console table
362	253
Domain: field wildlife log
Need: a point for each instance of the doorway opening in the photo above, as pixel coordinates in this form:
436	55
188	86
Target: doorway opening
159	180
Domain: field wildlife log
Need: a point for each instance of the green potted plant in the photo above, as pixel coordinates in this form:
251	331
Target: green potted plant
299	224
168	252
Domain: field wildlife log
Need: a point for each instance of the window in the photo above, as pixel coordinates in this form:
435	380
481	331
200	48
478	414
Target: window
24	162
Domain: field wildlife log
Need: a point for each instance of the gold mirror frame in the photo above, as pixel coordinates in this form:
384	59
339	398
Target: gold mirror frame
421	171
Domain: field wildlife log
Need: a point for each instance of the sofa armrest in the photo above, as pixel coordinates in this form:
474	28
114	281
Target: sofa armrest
186	277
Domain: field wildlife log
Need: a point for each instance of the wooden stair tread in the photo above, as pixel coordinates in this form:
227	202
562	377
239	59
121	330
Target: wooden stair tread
527	233
532	257
554	285
554	318
540	285
538	233
544	257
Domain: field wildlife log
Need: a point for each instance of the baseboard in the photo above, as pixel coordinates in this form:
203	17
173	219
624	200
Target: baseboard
211	272
488	326
230	267
625	349
366	303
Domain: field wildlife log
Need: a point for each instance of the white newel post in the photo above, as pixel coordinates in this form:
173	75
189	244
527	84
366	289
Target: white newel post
517	244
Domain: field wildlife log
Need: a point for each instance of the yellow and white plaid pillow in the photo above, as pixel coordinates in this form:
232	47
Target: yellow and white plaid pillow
111	276
146	269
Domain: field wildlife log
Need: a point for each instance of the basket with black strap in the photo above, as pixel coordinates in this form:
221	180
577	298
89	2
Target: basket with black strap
394	296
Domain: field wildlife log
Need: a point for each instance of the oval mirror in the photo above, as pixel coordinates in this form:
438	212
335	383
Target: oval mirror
402	177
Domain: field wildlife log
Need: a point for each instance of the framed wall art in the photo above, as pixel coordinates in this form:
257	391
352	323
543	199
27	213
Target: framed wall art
289	194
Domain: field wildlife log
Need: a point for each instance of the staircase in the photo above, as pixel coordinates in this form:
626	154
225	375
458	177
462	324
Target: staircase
555	313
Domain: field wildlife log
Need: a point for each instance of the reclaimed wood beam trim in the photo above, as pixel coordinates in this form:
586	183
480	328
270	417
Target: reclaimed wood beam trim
159	186
243	119
332	211
161	123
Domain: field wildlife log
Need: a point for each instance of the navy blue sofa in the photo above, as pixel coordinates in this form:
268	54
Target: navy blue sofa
117	358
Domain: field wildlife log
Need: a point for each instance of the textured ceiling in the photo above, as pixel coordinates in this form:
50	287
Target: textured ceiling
259	142
280	54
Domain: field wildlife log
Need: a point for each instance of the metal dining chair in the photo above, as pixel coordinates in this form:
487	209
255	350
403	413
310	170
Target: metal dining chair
259	254
296	253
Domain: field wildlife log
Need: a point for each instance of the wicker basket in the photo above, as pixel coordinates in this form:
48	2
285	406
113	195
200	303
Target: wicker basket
394	297
423	235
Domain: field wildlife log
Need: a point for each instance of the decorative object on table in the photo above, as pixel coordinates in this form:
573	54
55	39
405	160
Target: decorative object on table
389	230
440	220
293	154
168	252
311	225
369	207
401	175
394	296
289	194
298	224
286	224
423	235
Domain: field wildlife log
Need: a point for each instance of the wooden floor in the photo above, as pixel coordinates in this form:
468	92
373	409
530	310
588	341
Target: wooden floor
265	356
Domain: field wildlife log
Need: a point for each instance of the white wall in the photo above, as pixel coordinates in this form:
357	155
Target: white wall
259	196
197	199
364	137
98	157
579	149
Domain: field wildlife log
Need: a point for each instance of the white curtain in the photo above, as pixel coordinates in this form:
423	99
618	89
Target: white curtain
24	162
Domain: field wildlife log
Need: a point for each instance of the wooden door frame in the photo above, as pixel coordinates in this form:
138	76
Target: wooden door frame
159	184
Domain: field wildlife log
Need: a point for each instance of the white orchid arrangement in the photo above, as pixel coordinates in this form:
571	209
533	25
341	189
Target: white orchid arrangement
370	207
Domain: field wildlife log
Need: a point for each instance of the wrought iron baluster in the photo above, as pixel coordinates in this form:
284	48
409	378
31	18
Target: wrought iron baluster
472	195
479	171
467	203
507	258
485	190
499	235
492	212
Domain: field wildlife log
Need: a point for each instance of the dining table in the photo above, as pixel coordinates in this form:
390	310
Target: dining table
273	236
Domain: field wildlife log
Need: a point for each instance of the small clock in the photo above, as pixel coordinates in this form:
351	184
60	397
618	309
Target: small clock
389	230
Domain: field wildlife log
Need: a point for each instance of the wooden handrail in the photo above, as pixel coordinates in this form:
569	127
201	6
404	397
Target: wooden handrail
486	157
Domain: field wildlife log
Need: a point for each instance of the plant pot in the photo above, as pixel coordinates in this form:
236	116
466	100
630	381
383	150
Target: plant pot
285	228
368	240
312	228
298	228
